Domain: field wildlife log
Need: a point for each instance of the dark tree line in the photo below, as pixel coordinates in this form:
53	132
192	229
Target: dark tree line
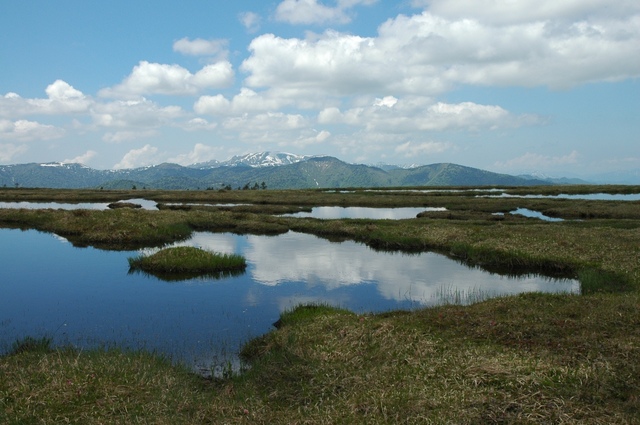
248	186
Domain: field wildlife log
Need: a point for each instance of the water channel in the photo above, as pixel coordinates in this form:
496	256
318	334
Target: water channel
86	297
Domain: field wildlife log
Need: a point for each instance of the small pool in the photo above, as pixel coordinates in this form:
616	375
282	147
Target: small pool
364	212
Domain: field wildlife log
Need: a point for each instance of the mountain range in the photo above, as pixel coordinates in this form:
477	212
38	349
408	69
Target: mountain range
272	170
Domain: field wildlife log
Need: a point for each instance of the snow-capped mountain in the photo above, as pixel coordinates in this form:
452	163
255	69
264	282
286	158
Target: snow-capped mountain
265	159
206	165
67	165
255	160
387	167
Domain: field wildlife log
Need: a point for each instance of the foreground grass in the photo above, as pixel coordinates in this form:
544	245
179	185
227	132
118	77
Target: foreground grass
534	358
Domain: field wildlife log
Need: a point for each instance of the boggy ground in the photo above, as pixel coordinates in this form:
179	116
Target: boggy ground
533	358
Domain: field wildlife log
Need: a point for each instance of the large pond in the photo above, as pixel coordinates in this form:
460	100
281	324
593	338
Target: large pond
87	297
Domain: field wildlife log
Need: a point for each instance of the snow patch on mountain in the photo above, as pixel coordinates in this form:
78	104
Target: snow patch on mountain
255	160
67	165
265	159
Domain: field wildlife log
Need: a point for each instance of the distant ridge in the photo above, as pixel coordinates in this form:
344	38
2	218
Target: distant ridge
277	170
555	180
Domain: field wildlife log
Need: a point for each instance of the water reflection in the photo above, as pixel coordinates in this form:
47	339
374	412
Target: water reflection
85	296
418	278
581	196
534	214
145	203
577	196
179	277
363	212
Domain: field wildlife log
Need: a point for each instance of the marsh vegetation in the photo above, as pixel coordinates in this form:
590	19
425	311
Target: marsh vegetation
183	262
532	358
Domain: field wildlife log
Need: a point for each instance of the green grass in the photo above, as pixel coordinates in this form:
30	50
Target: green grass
31	345
531	358
186	261
534	358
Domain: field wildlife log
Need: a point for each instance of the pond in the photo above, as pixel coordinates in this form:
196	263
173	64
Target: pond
144	203
364	212
86	297
533	214
582	196
500	193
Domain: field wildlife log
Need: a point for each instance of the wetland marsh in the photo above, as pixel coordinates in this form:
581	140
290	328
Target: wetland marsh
402	358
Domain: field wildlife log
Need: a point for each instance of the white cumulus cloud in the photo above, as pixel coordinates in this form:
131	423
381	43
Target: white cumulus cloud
314	12
307	138
196	124
134	114
421	114
509	11
62	98
267	122
199	153
244	102
212	105
427	53
85	158
147	155
155	78
201	47
309	12
25	131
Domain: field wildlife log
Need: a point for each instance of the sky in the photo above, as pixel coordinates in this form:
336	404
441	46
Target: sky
512	86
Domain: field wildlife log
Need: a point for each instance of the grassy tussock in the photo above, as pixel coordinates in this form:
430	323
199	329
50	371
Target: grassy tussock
95	387
187	261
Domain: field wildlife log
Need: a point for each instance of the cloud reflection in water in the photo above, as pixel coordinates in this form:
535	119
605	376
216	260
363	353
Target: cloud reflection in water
422	278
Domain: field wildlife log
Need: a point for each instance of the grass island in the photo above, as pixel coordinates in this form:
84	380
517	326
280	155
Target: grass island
187	260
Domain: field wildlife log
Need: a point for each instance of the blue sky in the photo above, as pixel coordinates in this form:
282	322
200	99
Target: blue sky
512	86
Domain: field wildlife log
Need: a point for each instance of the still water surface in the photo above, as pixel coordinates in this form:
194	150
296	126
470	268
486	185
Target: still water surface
583	196
88	298
364	212
144	203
